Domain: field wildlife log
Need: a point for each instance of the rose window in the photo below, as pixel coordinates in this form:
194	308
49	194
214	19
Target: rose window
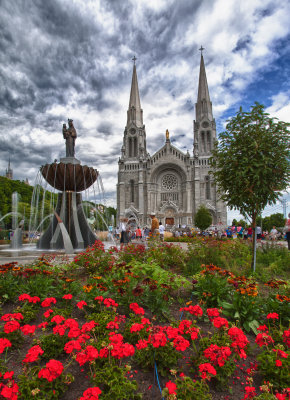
169	182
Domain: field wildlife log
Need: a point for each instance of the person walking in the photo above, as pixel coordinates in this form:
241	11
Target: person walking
154	225
161	231
124	235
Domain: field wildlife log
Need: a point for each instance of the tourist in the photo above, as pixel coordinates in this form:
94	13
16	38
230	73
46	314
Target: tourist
240	231
259	232
146	232
138	233
273	233
154	225
287	229
124	231
161	231
250	232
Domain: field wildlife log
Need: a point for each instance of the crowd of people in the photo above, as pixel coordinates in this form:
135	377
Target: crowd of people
125	232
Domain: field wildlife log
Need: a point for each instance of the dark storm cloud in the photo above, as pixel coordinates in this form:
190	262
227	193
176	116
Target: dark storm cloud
61	59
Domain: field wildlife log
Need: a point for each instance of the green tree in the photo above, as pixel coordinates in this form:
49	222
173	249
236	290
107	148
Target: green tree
202	218
234	222
250	163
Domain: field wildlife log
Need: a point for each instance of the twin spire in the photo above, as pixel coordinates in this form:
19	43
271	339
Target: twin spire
135	112
203	104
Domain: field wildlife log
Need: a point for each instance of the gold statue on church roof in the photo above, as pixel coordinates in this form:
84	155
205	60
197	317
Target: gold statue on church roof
167	134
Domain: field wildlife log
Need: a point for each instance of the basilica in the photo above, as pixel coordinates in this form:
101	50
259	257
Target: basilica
170	183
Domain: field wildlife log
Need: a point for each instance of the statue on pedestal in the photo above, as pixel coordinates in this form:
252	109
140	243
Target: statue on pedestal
69	134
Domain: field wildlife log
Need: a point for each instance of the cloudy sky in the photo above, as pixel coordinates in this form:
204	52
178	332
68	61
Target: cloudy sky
73	59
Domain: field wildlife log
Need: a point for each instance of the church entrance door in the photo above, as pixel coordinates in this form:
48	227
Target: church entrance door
169	221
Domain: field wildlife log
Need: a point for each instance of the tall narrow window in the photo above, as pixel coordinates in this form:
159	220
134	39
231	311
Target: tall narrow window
208	141
135	147
130	146
207	187
132	190
202	141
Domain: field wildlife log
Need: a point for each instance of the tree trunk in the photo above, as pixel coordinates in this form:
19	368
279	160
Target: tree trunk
254	245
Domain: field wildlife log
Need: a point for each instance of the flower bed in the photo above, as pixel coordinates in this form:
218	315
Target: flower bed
130	324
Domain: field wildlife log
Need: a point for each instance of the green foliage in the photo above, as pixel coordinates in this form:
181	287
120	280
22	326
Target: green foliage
243	309
277	375
202	218
166	357
190	389
114	383
34	388
167	255
250	163
29	311
51	344
212	290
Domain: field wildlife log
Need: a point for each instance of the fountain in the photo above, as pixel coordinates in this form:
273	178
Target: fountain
68	228
16	238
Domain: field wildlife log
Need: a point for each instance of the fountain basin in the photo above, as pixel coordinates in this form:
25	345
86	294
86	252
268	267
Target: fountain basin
69	176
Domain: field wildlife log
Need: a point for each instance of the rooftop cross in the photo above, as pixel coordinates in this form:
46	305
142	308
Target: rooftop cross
201	49
134	59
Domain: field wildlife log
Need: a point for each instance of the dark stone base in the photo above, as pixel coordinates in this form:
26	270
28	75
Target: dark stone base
69	208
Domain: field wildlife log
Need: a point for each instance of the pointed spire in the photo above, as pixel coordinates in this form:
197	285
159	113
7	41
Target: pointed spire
203	105
135	112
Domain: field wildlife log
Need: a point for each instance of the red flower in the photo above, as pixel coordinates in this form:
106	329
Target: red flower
141	344
99	298
193	310
137	309
250	392
205	369
278	363
9	317
213	312
158	339
48	301
219	322
112	325
67	296
263	339
263	328
110	303
91	394
11	326
136	328
171	387
217	355
81	304
72	345
47	313
180	343
28	329
286	337
88	326
273	316
33	354
57	319
52	370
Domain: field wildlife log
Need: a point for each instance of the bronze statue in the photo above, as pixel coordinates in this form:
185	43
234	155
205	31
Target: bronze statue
69	134
167	134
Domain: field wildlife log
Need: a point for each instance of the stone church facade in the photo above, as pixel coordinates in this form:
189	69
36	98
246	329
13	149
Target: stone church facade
170	183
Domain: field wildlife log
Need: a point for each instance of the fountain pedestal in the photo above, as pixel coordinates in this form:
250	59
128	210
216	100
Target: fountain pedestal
70	210
69	228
